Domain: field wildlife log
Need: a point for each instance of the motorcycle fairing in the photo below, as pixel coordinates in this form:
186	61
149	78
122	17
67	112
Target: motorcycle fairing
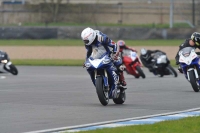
187	58
161	59
133	55
103	67
189	61
131	60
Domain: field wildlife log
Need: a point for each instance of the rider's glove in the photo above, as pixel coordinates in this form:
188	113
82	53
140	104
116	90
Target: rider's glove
122	67
177	63
114	56
180	69
83	64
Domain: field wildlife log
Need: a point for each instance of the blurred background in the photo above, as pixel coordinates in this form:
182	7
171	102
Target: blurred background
125	19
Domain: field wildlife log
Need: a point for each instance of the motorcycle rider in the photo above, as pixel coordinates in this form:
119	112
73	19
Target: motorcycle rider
97	42
194	41
122	45
146	58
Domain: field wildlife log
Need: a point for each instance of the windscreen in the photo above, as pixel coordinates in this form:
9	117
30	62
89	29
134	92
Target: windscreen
126	52
186	51
157	54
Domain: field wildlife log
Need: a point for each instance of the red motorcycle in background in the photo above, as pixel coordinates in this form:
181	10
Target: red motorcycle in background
132	63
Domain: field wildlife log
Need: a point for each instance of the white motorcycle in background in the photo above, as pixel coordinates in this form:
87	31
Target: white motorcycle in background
6	65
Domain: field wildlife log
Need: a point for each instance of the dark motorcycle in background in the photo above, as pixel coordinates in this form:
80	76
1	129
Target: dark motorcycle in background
6	65
162	65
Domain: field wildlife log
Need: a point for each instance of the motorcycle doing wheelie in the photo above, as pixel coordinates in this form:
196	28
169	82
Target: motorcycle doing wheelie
6	65
162	65
190	64
132	63
102	79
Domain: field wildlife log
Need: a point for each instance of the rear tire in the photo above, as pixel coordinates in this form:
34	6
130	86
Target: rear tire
102	94
141	73
136	77
193	81
172	71
121	99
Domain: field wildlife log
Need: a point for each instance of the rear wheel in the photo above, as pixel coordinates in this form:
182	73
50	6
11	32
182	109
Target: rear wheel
193	81
101	92
122	97
137	77
172	71
139	70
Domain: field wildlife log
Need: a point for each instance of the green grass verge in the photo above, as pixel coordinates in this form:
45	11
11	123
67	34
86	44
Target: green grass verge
185	125
173	63
47	62
54	62
78	42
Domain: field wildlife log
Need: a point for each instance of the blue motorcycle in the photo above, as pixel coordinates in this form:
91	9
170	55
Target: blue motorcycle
190	64
99	69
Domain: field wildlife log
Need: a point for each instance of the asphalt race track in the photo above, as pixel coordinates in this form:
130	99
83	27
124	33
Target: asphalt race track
50	97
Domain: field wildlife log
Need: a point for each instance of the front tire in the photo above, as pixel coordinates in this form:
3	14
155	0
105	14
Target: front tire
13	69
102	94
193	81
141	73
172	71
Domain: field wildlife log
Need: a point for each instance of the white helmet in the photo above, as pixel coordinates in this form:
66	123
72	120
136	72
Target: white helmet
88	35
143	51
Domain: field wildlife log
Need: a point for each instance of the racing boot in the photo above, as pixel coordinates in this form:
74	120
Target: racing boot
121	79
116	93
153	71
180	69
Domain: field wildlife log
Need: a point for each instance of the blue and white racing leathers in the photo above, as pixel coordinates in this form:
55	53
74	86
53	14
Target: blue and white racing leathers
100	46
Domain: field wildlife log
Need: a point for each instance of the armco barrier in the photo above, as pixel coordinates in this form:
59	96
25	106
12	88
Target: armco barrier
27	33
74	32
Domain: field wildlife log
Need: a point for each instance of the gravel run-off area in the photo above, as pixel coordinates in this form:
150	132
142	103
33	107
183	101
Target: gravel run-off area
67	52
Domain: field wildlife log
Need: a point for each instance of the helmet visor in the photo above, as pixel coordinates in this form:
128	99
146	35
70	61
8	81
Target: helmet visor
197	40
86	41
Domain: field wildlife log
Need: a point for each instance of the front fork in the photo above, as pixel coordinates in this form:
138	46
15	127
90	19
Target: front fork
105	78
195	73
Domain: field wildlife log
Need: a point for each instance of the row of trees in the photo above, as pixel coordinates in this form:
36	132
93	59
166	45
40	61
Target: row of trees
53	8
